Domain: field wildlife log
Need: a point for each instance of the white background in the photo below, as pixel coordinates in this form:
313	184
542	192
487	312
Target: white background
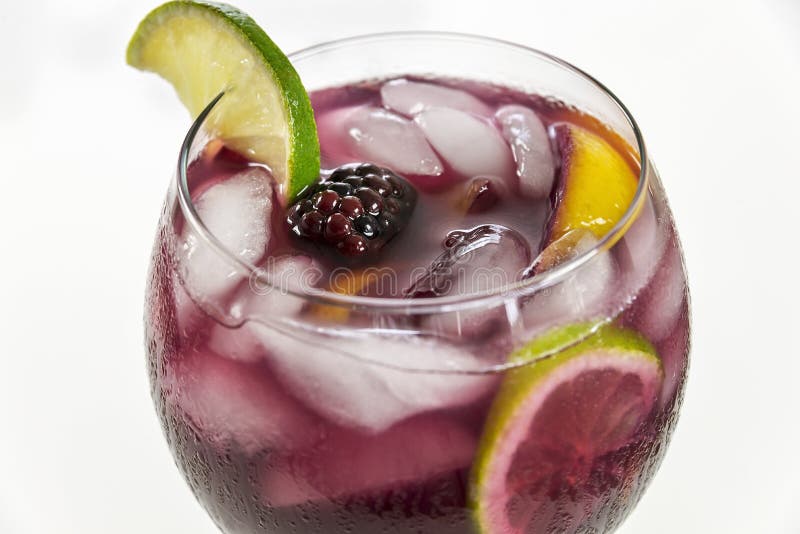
87	146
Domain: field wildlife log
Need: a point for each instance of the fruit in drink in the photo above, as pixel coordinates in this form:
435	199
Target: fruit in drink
595	185
554	421
204	49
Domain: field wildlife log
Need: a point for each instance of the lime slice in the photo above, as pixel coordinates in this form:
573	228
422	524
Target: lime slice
203	49
554	418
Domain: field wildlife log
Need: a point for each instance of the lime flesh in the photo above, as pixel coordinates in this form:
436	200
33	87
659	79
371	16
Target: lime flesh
204	49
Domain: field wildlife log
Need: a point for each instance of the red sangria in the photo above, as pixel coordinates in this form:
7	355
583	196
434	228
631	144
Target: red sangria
435	288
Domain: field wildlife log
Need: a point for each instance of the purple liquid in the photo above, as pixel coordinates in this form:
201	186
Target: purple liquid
263	452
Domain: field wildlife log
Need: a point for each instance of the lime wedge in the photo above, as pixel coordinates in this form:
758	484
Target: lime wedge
205	48
553	419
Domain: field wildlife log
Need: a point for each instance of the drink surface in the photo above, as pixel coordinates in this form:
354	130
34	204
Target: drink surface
289	416
478	185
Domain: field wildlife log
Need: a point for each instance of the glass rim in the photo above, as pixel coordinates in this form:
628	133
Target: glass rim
488	298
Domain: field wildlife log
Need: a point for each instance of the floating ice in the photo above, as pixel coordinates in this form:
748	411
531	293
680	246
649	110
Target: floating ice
581	296
410	98
470	145
325	372
265	297
378	136
530	145
235	403
189	317
237	343
663	299
640	251
270	292
487	257
483	259
236	212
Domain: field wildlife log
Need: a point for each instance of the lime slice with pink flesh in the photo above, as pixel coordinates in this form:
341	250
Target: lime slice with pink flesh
559	411
205	48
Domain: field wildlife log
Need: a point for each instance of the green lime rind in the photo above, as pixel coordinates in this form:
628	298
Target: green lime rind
204	48
575	339
553	350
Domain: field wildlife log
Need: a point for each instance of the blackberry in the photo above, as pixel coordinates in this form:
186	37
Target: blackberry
357	209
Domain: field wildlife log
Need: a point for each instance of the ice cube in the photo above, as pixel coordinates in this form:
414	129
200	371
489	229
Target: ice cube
483	259
270	291
640	251
264	297
236	212
348	463
235	343
662	301
378	136
188	315
411	98
470	145
530	144
334	146
233	403
583	295
361	381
